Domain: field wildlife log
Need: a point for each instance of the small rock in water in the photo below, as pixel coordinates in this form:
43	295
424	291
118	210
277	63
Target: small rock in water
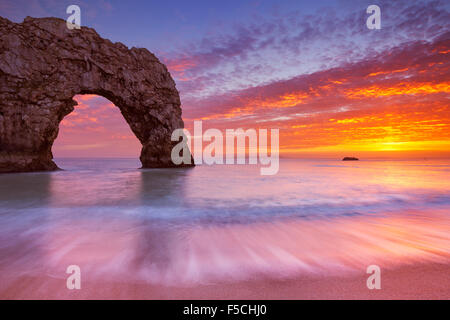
350	159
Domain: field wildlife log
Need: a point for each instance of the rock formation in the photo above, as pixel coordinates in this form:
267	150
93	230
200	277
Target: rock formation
350	159
43	65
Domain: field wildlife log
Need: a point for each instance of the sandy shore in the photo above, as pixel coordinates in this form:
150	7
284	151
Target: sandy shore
419	281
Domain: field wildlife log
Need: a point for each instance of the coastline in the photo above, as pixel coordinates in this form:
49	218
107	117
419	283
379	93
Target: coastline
419	281
304	241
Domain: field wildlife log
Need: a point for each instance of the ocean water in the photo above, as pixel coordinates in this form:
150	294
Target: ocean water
211	224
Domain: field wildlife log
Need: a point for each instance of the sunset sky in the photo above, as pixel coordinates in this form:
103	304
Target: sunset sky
310	68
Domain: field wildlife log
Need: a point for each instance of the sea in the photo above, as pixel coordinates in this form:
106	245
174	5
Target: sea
222	223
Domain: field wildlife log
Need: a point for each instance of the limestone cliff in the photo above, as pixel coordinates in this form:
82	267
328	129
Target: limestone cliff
43	65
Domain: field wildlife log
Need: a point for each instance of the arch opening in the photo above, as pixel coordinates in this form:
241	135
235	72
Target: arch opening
95	129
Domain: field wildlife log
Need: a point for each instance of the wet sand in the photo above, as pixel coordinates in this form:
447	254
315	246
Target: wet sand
418	281
283	260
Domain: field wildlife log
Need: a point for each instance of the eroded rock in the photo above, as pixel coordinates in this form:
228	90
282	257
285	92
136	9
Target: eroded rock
43	65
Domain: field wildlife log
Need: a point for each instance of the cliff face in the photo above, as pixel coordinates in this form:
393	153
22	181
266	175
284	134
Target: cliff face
43	65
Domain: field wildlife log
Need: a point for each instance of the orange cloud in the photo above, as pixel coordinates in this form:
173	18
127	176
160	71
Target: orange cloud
179	68
373	74
399	89
283	101
85	97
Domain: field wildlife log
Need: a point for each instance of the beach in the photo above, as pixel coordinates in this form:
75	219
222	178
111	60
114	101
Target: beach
416	282
225	232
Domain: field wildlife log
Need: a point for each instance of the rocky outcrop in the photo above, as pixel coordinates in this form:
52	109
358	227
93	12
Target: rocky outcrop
43	65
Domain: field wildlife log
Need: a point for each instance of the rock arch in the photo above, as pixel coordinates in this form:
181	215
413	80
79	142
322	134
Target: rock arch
43	65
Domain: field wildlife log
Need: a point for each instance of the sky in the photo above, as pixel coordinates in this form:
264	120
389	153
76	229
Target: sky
312	69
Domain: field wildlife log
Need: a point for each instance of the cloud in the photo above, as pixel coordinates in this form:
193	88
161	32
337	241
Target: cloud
17	10
395	99
279	48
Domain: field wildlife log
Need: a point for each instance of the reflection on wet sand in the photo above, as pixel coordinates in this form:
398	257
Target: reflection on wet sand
140	253
321	247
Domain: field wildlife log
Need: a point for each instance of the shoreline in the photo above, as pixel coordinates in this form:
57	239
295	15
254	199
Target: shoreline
420	281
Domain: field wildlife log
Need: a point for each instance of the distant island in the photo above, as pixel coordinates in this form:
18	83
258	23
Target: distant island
350	159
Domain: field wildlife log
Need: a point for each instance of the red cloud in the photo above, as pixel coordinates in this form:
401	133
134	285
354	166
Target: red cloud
398	97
